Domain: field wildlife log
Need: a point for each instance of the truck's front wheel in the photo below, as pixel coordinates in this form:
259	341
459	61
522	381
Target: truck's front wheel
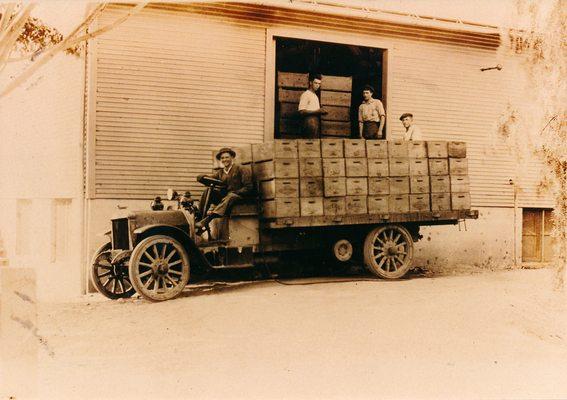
159	268
388	251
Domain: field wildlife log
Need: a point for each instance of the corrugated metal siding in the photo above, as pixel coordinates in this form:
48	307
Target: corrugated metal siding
169	86
157	104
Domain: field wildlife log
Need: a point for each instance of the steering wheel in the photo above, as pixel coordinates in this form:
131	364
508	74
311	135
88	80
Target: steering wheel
209	181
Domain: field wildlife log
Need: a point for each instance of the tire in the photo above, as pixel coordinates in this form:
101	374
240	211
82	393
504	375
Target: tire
110	280
155	263
388	251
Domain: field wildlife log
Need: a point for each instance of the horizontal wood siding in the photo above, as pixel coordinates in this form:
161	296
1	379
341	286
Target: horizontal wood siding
171	87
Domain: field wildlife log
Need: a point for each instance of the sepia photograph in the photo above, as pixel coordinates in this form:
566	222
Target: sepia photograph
283	199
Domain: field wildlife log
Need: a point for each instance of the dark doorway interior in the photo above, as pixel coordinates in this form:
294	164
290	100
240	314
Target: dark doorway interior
363	64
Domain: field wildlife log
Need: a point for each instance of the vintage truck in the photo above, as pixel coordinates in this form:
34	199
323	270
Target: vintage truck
345	197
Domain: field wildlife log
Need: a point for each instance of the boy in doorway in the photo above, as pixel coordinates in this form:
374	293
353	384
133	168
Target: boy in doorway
371	116
412	131
310	109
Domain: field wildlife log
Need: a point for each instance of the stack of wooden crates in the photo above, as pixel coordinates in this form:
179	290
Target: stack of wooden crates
330	177
335	97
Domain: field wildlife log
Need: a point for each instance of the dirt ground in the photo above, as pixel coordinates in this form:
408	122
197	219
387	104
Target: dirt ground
484	336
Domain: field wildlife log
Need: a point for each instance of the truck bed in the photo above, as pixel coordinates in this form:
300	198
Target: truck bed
422	218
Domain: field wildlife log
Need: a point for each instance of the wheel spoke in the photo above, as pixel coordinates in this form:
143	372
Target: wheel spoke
380	240
114	285
400	260
105	274
154	248
149	256
397	237
108	281
145	273
402	244
172	271
148	282
170	255
175	263
163	249
381	262
171	280
121	285
143	264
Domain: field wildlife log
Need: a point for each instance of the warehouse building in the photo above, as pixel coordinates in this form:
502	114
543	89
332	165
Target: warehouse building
152	98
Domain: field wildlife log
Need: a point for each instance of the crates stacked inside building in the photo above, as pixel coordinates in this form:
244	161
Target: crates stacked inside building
330	177
335	97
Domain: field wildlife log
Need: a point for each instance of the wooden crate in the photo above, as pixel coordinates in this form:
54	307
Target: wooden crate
419	184
333	98
311	206
459	183
279	168
337	83
289	111
277	188
377	149
460	201
310	167
419	202
334	206
399	185
398	203
436	149
332	148
440	184
333	167
356	205
356	167
289	95
399	166
458	166
355	148
417	149
398	148
356	186
438	166
284	207
418	167
378	167
457	149
378	204
309	148
311	187
378	186
440	202
279	148
336	113
334	186
290	127
335	128
293	80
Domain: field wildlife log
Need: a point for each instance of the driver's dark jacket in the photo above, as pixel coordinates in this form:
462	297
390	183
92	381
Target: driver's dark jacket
238	180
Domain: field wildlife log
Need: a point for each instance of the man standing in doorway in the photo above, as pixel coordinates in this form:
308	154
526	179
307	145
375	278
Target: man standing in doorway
371	116
310	109
412	131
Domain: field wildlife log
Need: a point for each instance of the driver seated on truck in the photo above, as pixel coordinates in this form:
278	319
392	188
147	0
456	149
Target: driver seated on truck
238	185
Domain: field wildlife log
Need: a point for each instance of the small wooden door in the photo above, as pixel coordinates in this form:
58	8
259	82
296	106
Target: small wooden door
537	242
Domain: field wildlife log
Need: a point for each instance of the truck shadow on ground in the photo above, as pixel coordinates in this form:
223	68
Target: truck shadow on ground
225	281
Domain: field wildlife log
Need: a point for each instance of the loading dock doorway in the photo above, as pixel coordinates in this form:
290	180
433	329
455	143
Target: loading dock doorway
360	65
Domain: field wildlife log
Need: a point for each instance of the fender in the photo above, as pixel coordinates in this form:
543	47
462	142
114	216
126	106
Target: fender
193	251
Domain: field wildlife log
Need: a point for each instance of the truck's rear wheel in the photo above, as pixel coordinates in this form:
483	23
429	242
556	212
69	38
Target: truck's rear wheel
159	268
388	251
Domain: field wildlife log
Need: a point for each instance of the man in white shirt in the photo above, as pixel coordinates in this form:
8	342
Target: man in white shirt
310	109
412	131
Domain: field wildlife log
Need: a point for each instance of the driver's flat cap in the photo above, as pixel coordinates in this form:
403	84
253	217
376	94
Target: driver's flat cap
225	150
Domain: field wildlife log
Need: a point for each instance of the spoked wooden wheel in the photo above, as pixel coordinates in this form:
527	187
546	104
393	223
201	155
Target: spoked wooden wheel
111	280
388	251
159	268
